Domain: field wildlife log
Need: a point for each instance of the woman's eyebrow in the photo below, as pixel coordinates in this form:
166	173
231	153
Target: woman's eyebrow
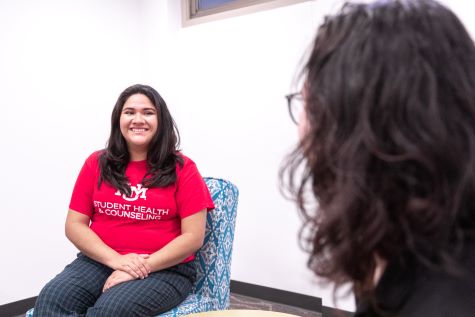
134	108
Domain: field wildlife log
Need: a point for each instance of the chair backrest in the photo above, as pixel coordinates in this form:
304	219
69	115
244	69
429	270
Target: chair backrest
213	260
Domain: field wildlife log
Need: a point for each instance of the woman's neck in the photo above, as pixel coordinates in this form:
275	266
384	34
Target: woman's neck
137	155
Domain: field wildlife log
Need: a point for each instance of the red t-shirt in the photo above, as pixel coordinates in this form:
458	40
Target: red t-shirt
147	220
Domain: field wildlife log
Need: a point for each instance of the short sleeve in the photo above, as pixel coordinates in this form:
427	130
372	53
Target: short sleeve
81	198
192	194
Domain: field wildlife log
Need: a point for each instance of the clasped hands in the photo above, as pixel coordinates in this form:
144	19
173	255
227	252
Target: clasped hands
127	267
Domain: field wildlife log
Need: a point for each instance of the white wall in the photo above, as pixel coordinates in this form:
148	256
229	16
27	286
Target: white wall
63	64
225	83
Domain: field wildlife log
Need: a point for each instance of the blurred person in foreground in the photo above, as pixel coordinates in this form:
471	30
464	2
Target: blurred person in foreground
387	149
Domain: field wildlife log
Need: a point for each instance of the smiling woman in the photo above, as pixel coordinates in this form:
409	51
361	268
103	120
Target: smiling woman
137	215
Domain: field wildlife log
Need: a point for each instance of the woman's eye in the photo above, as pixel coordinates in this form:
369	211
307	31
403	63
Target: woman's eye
149	113
128	112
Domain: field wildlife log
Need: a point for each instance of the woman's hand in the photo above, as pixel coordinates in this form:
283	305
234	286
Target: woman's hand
133	264
117	277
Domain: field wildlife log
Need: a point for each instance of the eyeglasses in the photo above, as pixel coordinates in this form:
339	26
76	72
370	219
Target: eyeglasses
295	105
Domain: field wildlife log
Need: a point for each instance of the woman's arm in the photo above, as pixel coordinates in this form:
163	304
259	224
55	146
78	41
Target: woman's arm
191	239
78	232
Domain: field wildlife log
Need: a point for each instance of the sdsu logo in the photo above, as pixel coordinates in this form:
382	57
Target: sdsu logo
137	192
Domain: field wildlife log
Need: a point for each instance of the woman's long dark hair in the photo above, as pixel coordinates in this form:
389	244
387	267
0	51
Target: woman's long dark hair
390	150
162	155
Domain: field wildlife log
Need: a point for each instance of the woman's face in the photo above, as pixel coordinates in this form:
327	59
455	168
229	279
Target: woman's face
138	122
303	124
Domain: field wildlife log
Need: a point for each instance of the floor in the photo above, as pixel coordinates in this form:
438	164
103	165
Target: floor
245	302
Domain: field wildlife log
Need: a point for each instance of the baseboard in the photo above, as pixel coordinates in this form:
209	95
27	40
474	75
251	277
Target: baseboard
287	298
17	308
333	312
277	295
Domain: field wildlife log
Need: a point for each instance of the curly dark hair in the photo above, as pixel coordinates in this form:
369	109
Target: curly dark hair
162	155
389	152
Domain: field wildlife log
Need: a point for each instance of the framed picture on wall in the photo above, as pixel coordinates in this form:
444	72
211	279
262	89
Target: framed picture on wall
199	11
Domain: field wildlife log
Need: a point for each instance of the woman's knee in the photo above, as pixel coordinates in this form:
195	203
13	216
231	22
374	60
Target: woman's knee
53	291
62	297
112	308
51	299
123	300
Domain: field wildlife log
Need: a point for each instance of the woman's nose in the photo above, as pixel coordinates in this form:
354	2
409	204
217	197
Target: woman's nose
138	118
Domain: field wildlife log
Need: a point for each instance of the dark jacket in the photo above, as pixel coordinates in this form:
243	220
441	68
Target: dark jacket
417	291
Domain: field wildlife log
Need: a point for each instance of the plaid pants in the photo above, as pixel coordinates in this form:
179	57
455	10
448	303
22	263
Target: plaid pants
77	291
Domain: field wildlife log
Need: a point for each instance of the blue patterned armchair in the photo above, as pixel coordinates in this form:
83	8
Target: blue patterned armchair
213	260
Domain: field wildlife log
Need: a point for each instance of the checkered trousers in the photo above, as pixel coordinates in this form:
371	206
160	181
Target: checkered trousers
77	291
